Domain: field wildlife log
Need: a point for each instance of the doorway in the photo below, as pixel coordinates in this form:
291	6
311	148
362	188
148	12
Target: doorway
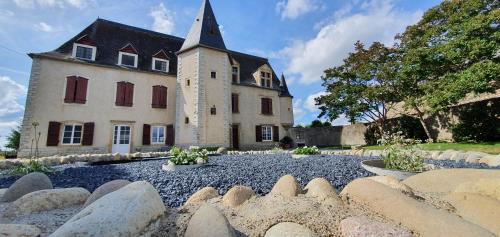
121	139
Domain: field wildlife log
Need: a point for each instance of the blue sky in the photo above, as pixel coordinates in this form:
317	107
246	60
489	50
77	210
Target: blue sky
301	38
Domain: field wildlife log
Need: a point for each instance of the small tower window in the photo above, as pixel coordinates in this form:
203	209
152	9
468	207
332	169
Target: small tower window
186	120
213	75
213	110
188	82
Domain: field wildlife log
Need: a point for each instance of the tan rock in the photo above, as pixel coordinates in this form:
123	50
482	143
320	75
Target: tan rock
45	200
286	186
480	210
446	155
202	195
27	184
474	156
237	195
2	192
458	156
393	183
320	188
362	227
129	211
486	187
15	230
105	189
415	215
208	221
289	229
444	181
491	160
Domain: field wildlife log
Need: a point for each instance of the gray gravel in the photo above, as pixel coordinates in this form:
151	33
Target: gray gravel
260	172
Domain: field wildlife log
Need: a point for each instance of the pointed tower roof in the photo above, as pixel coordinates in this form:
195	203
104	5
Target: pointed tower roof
204	31
284	88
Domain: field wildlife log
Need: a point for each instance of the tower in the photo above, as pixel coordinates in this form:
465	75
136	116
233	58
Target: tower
203	85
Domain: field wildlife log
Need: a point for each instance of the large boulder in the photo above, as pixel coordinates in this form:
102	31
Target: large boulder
15	230
202	195
27	184
286	186
486	187
393	183
46	200
418	216
474	156
208	221
491	160
478	209
237	195
362	226
444	181
289	229
130	211
320	188
2	192
105	189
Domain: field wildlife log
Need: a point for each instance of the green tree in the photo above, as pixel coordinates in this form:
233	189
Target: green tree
452	52
316	124
13	139
362	87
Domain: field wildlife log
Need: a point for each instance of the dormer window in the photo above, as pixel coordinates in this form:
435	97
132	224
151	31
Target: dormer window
265	79
235	74
127	59
160	65
85	52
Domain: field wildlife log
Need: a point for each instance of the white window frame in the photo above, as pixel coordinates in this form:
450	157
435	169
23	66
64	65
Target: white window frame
264	79
94	49
128	54
161	60
72	134
264	128
158	137
237	73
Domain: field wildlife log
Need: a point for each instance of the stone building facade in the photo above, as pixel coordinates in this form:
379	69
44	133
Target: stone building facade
115	88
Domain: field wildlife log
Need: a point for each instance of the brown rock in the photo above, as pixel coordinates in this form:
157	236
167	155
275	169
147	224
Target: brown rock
320	188
393	183
286	186
15	230
202	195
415	215
362	226
237	195
208	221
105	189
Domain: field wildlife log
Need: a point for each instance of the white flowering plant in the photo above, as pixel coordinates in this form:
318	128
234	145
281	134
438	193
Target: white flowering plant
306	150
192	156
401	153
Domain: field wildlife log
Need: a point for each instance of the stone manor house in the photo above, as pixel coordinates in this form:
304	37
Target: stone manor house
115	88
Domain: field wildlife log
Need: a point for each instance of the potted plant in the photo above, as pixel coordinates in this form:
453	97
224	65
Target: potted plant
186	159
286	142
401	158
305	151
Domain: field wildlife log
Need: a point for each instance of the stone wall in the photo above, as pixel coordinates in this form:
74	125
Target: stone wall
330	136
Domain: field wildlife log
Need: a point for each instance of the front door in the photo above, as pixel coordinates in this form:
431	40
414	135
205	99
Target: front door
236	137
121	139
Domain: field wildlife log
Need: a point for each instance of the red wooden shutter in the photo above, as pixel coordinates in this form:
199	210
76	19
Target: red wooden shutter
70	89
129	94
263	105
81	90
258	133
88	134
155	103
120	94
53	134
276	133
235	103
170	135
146	134
269	106
163	97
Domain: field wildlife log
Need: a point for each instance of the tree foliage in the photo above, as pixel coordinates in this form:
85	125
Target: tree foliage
13	139
362	87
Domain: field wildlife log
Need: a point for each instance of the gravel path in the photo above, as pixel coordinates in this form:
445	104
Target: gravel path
257	171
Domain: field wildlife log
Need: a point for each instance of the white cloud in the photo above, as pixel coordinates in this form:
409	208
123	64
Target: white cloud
298	111
44	27
163	19
11	91
376	20
291	9
31	4
310	103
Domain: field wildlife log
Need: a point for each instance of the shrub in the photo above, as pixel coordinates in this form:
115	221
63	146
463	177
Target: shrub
372	135
312	150
409	127
286	141
479	122
194	155
401	153
32	166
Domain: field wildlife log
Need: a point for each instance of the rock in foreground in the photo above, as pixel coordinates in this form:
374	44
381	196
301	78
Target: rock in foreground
27	184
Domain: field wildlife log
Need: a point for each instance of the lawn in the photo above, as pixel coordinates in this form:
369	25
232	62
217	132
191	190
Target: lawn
491	148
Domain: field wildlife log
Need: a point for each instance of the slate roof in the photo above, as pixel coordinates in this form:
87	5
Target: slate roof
205	30
110	37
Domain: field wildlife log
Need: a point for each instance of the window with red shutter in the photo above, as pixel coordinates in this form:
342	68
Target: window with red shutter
276	134
235	103
81	90
88	134
267	106
129	94
170	136
258	133
159	99
146	134
120	93
70	89
53	134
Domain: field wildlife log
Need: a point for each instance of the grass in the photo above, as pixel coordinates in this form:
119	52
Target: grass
490	147
336	148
